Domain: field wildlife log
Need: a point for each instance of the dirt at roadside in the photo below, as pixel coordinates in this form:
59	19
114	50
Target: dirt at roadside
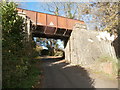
39	84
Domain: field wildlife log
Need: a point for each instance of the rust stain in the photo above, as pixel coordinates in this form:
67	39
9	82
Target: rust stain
50	20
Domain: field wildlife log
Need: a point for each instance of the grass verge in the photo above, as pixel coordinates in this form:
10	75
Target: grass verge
32	78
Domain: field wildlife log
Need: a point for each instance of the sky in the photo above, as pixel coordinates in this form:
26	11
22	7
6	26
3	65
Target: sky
35	6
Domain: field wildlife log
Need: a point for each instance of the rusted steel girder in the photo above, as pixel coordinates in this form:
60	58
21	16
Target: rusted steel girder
50	24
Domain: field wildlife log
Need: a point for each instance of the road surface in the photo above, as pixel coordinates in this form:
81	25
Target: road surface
58	74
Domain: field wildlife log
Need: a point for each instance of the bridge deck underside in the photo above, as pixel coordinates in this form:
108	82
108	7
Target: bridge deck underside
51	32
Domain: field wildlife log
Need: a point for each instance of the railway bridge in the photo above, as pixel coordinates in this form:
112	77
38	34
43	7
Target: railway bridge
49	26
82	47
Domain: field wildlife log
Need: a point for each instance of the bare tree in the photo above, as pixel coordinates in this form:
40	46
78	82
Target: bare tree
105	15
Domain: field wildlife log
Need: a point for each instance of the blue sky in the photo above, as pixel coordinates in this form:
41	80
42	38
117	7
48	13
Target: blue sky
35	6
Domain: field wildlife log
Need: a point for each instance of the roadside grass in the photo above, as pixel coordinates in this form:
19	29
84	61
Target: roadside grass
109	59
98	65
32	77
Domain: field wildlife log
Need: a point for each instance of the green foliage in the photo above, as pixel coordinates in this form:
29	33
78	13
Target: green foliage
59	53
106	14
30	79
44	52
17	52
51	44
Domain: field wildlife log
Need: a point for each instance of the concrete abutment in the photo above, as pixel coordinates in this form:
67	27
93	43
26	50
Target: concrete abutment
85	47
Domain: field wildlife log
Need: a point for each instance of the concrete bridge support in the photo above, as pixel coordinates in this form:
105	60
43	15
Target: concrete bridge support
85	47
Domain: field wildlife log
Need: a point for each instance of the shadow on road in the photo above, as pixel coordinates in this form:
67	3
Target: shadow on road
58	74
52	59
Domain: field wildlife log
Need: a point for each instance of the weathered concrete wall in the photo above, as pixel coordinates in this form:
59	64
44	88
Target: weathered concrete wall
84	47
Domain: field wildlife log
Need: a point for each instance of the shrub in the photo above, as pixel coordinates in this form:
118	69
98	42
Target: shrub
17	51
45	52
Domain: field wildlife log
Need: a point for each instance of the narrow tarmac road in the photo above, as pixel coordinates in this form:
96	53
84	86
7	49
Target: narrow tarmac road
58	74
